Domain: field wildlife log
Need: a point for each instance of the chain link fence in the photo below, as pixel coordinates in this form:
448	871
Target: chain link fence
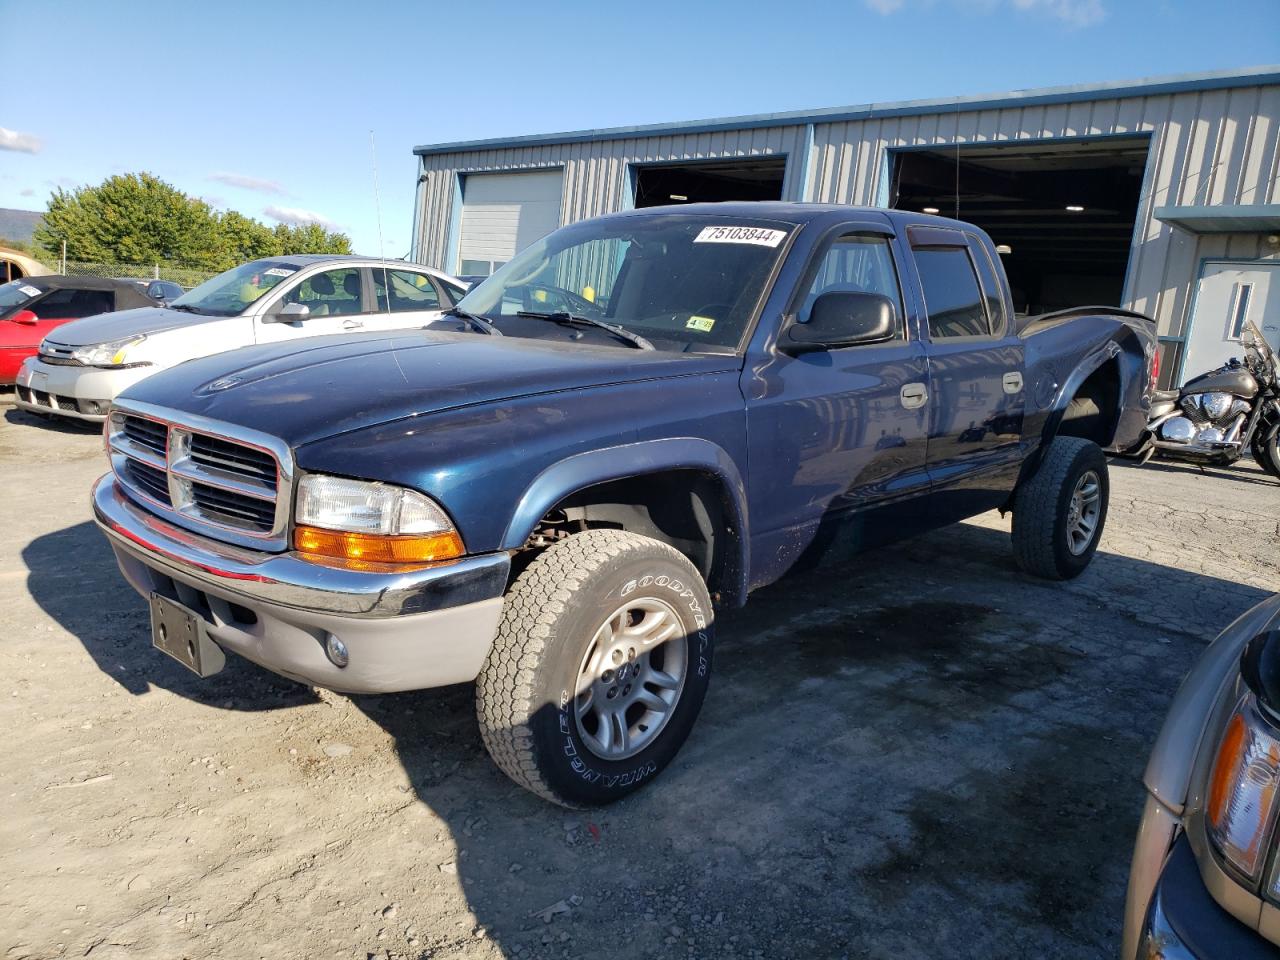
187	277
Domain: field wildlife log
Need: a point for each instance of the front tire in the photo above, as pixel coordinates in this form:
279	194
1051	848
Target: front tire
599	668
1266	448
1059	512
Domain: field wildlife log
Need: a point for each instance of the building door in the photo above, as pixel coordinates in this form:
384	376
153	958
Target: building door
1228	295
502	213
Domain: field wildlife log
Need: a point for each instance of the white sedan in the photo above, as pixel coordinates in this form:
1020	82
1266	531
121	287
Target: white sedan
84	365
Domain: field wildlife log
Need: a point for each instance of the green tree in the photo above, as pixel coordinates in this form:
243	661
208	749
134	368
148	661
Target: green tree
310	238
138	218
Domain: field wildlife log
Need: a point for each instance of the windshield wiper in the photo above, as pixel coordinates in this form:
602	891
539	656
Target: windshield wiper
184	307
563	316
477	321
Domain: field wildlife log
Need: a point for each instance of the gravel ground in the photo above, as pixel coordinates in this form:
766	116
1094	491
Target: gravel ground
922	754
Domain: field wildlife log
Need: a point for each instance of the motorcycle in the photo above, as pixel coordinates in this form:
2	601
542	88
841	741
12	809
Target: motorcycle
1219	415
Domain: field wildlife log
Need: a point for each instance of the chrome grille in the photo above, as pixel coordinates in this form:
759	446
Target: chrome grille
58	353
224	481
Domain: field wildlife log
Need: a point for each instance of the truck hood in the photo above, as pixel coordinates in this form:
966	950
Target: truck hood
311	389
123	324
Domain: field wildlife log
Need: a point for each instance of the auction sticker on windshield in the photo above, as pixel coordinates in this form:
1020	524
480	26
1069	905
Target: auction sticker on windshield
760	236
278	272
29	291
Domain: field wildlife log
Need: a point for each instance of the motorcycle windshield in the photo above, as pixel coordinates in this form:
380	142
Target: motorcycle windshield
1251	337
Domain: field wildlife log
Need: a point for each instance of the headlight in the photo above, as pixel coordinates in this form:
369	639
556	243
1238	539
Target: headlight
113	354
360	523
1243	789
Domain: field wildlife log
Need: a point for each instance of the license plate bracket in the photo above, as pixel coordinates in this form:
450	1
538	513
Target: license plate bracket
181	633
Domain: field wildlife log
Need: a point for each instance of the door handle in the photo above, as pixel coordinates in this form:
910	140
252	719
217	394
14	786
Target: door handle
1013	382
352	324
913	395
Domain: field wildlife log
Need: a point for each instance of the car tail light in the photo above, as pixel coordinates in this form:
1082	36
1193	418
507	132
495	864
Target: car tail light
1155	368
1243	789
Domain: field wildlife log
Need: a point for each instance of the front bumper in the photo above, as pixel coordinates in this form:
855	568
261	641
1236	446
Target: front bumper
403	631
84	393
1186	923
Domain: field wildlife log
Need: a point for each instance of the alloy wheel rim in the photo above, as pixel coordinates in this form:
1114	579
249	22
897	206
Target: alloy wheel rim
1083	512
630	678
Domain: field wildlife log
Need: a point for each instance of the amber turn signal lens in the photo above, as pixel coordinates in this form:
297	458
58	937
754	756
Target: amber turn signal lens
372	548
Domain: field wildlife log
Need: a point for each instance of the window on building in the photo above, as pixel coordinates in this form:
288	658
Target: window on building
1240	298
951	294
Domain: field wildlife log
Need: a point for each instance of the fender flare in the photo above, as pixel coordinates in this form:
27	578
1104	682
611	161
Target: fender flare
1092	362
583	470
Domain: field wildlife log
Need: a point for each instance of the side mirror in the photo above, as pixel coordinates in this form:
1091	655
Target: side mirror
843	318
289	313
25	317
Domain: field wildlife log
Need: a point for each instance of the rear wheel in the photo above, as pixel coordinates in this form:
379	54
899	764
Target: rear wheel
599	669
1059	513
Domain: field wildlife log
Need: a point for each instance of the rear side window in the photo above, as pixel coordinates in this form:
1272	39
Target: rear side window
951	294
74	304
409	291
991	287
855	263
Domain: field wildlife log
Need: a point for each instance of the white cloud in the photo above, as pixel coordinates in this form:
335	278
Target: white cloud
20	142
28	192
250	183
1074	13
296	217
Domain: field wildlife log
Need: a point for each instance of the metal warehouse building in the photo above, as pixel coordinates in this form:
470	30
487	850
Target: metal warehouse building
1159	195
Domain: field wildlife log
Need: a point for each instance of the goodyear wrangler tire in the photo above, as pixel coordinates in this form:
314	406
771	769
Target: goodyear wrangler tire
1059	512
599	667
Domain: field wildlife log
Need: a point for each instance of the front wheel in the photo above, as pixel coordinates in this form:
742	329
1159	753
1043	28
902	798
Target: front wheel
1266	448
1059	512
599	668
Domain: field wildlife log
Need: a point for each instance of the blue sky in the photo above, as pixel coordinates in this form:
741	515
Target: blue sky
267	107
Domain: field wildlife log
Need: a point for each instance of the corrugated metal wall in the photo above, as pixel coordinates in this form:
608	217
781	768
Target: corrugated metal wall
1207	147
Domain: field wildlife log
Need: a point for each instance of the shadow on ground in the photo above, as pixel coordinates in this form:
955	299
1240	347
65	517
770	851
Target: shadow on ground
920	754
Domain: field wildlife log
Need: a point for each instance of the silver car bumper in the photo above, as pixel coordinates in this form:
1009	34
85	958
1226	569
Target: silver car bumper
403	631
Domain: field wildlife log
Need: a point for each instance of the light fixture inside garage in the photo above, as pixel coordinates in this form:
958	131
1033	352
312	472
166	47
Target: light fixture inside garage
1075	208
930	209
1004	249
678	196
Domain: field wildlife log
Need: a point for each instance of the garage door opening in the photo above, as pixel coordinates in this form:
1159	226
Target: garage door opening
1065	211
710	182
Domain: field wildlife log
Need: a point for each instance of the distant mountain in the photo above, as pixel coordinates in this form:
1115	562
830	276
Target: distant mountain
18	224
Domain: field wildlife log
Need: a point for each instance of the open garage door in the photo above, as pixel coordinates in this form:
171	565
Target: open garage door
502	213
1065	210
711	181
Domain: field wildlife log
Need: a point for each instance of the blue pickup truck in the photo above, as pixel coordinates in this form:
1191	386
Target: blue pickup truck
638	419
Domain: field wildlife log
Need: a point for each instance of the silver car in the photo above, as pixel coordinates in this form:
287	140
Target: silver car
1205	878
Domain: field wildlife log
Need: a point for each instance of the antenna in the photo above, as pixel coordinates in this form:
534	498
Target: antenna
377	204
957	159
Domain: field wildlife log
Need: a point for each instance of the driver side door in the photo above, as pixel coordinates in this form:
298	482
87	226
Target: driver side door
837	438
334	297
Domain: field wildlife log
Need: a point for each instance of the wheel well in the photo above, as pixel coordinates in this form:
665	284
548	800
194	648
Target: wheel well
1094	411
686	509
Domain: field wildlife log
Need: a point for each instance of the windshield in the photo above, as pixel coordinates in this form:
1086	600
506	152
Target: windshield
15	292
231	293
682	282
1250	336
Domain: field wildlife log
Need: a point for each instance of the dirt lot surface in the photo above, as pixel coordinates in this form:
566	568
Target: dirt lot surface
924	754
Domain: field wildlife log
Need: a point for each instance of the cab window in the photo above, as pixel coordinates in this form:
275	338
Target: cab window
400	291
952	297
856	263
73	304
332	293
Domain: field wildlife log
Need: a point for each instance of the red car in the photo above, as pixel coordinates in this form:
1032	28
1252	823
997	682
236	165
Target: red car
32	306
